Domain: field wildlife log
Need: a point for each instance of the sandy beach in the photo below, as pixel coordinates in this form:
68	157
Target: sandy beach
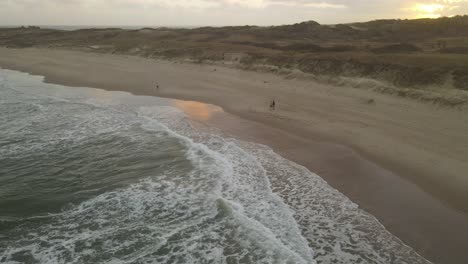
404	161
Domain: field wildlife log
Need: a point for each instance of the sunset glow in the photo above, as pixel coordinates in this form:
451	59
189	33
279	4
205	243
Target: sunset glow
429	10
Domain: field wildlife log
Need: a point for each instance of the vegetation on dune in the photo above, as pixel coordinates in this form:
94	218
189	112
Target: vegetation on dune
397	48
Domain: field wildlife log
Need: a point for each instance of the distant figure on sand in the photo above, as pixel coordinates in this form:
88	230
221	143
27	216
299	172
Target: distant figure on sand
273	105
156	88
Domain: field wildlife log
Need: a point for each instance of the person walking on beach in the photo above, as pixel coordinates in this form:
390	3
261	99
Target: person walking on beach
156	87
273	105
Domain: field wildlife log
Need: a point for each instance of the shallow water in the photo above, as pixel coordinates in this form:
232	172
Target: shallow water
91	176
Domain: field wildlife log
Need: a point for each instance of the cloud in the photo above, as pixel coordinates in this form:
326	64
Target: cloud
290	3
177	3
325	5
218	12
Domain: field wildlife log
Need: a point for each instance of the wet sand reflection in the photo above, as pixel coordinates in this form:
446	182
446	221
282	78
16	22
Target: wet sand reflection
196	110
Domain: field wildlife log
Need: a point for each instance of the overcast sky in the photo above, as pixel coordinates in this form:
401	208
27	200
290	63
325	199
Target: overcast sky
217	12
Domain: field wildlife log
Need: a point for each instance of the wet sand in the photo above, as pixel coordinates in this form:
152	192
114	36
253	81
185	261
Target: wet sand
403	161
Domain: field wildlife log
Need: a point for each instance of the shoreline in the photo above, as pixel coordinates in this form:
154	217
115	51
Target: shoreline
305	134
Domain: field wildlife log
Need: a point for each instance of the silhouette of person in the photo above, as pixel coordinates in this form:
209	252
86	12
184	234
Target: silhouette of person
273	105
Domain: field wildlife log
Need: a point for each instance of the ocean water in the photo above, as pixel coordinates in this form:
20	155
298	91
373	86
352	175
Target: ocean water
91	176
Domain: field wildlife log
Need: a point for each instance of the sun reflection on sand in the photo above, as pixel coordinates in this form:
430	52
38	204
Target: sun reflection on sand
196	110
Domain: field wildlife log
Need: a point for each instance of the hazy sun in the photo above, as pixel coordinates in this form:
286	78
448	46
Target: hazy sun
429	10
432	8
